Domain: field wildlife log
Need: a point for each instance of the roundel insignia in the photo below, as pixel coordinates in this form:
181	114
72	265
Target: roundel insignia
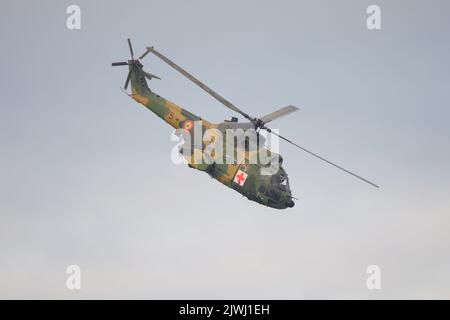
188	125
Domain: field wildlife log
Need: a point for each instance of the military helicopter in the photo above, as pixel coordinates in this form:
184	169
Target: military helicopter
271	190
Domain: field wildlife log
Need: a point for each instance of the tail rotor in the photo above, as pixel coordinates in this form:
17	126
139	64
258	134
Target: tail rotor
134	63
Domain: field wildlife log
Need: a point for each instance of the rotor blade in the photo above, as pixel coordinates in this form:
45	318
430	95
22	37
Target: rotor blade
149	76
144	54
115	64
128	80
323	159
278	113
221	99
131	48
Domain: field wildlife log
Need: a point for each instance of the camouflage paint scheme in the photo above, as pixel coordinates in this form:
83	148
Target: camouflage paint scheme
270	190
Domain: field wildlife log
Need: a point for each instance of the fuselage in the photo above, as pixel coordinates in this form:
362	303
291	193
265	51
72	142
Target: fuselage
246	177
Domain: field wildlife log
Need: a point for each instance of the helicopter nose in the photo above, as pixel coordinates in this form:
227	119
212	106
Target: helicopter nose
290	203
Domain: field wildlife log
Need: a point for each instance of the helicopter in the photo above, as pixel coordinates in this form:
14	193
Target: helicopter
244	176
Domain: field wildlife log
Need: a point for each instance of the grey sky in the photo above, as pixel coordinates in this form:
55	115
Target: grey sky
86	176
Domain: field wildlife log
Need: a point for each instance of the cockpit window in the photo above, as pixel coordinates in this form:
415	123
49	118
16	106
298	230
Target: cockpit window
284	183
280	182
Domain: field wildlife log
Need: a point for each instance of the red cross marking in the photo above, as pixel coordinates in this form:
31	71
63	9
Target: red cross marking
240	178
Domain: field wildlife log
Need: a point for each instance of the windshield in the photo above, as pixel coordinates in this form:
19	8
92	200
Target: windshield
277	190
284	182
280	181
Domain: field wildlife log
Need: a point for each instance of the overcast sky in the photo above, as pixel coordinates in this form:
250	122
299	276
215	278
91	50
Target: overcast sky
86	177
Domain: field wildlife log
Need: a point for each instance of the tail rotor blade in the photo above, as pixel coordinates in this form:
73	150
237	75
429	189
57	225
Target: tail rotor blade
128	80
321	158
131	49
115	64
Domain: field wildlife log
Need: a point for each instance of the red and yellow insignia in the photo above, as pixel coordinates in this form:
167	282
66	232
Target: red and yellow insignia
188	125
